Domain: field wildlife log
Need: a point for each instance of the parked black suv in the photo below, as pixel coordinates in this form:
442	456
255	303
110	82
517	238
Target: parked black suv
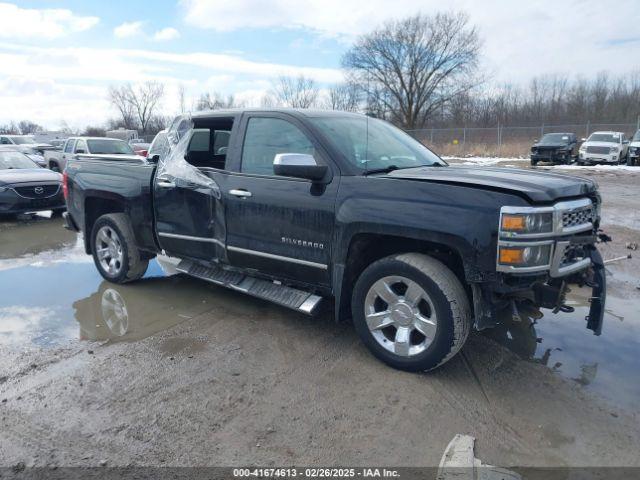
307	207
555	148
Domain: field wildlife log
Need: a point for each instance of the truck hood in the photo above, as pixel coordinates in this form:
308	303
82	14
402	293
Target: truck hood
600	144
24	175
537	187
552	145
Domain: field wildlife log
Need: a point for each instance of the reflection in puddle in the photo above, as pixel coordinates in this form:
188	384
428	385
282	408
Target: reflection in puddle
57	302
608	364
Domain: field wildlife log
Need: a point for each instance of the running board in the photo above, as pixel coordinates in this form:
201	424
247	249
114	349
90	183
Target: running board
289	297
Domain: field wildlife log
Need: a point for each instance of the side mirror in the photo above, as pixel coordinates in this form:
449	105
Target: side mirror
626	142
153	159
80	150
299	165
583	139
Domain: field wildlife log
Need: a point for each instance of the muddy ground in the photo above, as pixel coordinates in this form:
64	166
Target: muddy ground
174	371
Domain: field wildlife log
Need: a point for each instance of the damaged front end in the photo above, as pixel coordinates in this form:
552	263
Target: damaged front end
541	251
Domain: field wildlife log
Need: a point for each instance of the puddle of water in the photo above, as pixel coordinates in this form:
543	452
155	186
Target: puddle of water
607	365
53	294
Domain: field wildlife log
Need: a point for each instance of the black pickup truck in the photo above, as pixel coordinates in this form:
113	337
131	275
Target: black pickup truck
307	207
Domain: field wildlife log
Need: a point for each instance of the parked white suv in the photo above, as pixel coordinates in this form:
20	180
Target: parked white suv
603	147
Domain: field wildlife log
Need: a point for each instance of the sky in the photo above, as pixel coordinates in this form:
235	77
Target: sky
57	58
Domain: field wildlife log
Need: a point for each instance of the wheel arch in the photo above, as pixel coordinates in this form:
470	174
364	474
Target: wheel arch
365	248
94	207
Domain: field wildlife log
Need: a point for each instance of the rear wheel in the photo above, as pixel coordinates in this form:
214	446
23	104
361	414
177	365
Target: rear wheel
411	311
114	250
534	163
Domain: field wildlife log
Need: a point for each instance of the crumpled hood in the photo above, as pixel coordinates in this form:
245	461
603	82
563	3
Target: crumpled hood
552	145
537	187
25	175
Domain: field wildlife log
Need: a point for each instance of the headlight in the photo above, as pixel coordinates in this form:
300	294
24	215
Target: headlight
3	189
524	256
613	150
582	148
526	223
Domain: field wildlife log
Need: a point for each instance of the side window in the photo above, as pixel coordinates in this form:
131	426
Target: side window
81	145
68	148
265	138
200	140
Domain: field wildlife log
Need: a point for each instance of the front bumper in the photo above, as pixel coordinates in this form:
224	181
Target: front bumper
12	203
592	158
551	156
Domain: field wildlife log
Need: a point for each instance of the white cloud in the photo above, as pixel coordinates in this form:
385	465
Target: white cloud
168	33
128	29
521	39
48	84
17	22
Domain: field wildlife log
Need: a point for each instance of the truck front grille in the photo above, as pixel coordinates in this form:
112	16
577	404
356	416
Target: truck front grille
597	149
577	217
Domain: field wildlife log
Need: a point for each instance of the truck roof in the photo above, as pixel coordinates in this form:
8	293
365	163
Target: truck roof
292	111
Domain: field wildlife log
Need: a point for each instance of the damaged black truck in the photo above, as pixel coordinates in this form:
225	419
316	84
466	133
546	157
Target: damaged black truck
305	208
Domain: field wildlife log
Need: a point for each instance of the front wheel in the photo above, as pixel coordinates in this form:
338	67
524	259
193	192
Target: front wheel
114	250
411	311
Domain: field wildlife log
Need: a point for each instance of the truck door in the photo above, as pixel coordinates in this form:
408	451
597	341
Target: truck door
279	225
190	216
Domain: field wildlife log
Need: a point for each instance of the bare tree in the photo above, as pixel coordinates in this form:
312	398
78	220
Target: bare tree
416	65
344	96
10	128
216	101
27	127
119	98
299	92
138	105
181	98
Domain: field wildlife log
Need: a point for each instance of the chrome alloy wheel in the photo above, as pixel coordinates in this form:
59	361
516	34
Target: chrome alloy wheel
400	315
109	250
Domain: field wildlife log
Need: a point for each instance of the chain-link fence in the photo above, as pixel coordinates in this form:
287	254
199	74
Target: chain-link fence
504	141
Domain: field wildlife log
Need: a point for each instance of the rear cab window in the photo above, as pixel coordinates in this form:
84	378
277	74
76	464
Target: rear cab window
209	143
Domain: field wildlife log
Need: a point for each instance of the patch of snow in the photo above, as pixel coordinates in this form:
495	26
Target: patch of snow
602	168
485	161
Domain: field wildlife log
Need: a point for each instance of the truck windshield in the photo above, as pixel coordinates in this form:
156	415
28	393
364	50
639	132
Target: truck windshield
605	137
636	137
10	160
554	138
22	140
109	147
371	145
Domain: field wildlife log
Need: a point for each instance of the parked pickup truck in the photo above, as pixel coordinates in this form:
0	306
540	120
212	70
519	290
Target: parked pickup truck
307	207
555	148
56	160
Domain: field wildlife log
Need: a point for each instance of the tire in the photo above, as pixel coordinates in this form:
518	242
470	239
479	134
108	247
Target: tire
534	163
54	167
443	302
57	212
113	235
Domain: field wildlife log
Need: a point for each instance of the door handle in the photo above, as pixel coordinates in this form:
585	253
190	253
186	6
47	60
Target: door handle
240	193
165	183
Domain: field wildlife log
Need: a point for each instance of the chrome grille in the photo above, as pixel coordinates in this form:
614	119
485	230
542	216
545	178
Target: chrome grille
591	149
577	217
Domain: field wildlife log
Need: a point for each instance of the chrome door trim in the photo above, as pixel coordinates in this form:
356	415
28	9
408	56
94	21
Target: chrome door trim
189	237
278	257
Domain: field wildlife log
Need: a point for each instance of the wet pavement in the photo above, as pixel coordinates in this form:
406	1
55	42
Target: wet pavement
54	296
175	371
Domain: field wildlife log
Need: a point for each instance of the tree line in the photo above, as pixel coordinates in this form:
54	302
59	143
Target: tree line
422	71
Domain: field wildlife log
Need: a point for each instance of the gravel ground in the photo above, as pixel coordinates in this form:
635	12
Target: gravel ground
199	375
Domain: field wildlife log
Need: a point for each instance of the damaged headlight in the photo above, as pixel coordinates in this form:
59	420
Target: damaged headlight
525	256
514	223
